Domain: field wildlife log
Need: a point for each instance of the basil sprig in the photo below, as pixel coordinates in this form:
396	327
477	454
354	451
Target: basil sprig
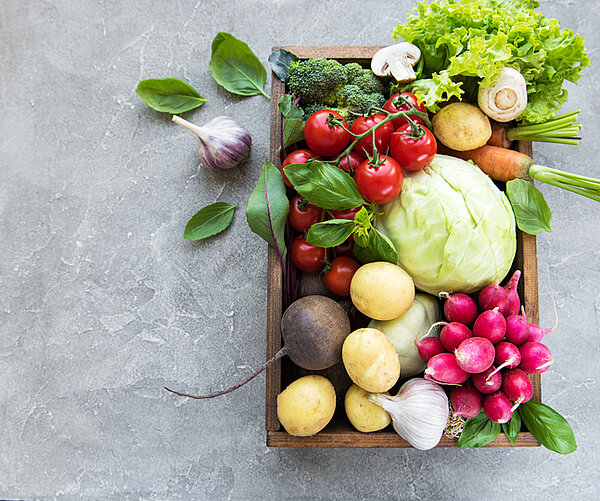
548	427
169	95
330	233
513	427
531	210
209	221
235	67
324	185
478	431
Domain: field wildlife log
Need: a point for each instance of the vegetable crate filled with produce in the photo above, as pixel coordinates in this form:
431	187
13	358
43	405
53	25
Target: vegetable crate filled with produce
401	216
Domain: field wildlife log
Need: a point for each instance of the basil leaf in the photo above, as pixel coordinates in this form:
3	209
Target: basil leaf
235	67
169	95
379	248
363	218
330	233
478	431
293	126
280	60
268	208
324	185
513	427
531	210
548	427
209	221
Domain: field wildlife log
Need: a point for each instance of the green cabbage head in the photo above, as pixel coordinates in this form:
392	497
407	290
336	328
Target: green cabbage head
453	228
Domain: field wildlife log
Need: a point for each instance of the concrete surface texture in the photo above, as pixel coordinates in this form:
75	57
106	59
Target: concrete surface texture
102	302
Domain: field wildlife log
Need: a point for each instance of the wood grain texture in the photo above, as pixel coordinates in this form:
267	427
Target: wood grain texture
340	433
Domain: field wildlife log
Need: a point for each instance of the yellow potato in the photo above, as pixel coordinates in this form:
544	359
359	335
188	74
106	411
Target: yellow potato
382	290
371	360
306	406
364	415
462	126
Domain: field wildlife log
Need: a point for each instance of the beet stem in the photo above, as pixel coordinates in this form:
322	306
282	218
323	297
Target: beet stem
277	356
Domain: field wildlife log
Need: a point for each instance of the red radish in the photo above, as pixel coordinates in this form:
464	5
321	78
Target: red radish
517	328
428	347
485	382
493	296
442	368
475	355
537	333
453	334
507	355
514	302
535	358
491	325
517	386
497	407
466	401
459	308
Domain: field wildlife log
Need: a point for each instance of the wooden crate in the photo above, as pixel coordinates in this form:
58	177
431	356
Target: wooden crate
339	432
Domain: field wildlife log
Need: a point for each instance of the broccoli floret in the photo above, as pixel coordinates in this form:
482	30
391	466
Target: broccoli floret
368	82
316	80
353	70
355	101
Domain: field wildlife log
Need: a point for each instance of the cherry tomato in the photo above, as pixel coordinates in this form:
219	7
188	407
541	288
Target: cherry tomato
345	213
338	279
325	139
382	134
379	184
351	161
296	157
303	215
411	154
307	257
345	249
412	99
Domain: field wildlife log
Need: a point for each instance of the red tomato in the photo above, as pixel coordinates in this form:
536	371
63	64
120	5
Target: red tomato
338	279
345	213
303	215
307	257
412	99
296	157
382	134
379	184
345	249
412	154
325	139
354	161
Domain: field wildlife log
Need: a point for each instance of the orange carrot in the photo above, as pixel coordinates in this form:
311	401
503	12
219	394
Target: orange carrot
499	135
500	164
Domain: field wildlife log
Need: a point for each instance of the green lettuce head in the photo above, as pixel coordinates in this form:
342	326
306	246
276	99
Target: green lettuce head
453	228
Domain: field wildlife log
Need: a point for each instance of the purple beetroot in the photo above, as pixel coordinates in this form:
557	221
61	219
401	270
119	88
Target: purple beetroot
429	347
517	329
442	368
490	325
493	296
475	355
454	333
497	407
507	355
517	386
466	401
459	308
535	358
512	296
487	383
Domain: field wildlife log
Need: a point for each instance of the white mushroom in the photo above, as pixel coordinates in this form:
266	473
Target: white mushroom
396	60
505	100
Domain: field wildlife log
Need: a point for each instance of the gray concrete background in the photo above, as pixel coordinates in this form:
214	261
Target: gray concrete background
102	302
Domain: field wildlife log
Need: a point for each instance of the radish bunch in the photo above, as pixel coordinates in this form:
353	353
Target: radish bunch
491	350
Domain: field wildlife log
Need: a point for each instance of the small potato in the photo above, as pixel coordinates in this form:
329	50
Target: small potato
382	290
462	126
365	416
306	406
371	360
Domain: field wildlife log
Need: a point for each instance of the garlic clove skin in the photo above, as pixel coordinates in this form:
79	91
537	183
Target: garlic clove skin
224	142
419	412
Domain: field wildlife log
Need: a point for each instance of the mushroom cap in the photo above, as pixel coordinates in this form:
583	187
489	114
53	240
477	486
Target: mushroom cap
396	60
506	99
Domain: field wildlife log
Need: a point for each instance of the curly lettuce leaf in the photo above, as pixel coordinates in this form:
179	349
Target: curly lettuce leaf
477	38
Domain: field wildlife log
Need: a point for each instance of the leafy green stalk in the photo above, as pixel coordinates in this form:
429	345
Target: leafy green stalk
562	129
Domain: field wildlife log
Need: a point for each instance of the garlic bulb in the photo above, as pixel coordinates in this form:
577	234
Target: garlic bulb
224	143
419	412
